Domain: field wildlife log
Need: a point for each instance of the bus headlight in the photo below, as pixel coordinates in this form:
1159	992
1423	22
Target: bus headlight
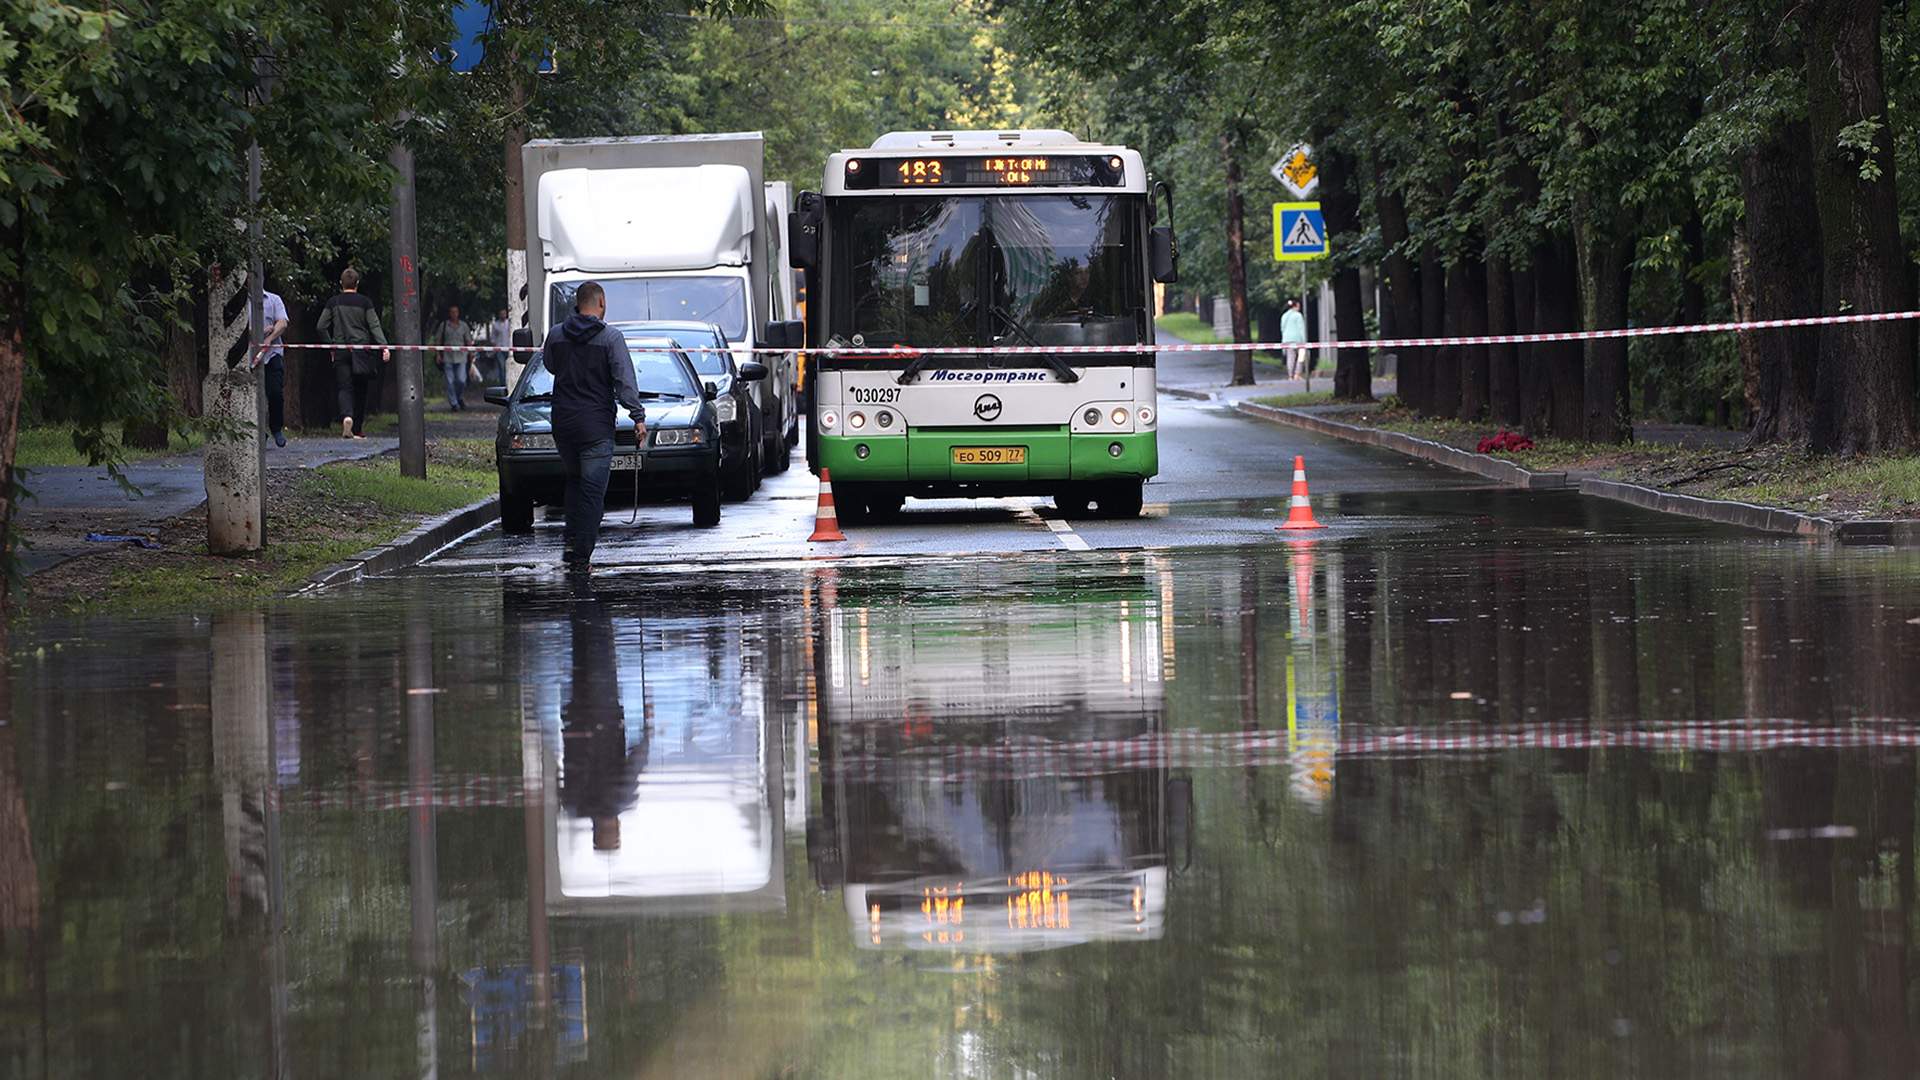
1119	415
856	421
883	418
1092	416
1146	415
829	419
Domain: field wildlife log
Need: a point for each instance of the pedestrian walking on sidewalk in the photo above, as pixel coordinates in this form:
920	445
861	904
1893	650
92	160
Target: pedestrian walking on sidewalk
592	371
453	365
273	354
1293	328
350	319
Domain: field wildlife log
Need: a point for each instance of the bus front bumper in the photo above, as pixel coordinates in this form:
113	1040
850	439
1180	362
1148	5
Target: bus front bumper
922	461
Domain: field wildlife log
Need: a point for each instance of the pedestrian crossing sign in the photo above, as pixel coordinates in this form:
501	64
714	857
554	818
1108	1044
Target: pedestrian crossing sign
1299	232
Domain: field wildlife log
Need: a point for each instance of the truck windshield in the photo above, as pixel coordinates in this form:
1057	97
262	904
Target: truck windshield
986	270
721	301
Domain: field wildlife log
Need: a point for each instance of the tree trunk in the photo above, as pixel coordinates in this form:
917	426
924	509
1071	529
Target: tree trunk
1503	372
13	372
1473	323
1783	275
1602	251
1526	360
1560	387
1403	285
1340	198
1433	324
1447	359
1237	261
1864	381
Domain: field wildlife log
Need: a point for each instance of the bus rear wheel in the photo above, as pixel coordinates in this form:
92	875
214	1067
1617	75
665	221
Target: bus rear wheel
1073	503
1121	498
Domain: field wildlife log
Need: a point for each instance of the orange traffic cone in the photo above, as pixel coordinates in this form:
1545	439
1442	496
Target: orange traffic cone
1299	510
826	524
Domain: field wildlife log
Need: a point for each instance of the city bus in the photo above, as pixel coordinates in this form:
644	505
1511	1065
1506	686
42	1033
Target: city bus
931	242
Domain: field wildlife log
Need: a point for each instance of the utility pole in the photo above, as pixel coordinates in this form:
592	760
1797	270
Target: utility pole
406	313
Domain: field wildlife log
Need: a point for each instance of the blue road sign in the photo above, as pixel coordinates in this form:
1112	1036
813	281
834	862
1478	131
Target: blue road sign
1299	232
472	21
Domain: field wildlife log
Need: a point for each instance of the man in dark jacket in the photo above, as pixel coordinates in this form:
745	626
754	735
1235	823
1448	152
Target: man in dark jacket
351	319
591	370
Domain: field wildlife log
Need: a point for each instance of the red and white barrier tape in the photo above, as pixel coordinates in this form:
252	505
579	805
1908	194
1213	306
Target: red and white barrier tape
898	352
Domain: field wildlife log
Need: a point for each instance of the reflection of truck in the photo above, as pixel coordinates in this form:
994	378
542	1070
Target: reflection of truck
983	786
676	228
661	769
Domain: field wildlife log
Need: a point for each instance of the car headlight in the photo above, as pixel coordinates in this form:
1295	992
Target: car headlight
527	441
686	436
726	409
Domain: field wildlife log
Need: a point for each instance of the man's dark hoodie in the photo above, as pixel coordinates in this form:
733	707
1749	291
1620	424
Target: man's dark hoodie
591	370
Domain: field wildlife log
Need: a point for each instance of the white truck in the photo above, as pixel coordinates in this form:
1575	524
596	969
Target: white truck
677	228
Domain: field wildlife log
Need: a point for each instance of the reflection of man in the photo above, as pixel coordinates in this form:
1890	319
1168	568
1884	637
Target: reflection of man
599	772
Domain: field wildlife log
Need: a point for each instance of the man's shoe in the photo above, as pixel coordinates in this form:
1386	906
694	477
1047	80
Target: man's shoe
346	427
279	438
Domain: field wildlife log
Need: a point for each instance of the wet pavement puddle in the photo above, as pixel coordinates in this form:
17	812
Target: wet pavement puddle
1591	796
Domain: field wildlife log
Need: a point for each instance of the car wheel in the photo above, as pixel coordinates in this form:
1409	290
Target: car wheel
1122	499
706	505
516	513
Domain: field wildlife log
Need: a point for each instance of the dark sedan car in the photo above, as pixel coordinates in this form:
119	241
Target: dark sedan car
742	428
682	455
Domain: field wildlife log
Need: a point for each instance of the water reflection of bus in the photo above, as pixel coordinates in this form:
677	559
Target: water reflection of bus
987	780
660	764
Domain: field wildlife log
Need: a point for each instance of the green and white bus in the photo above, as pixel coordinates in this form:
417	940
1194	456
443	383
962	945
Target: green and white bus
936	241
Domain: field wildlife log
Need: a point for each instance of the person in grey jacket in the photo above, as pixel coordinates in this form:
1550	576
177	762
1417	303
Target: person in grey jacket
351	319
592	371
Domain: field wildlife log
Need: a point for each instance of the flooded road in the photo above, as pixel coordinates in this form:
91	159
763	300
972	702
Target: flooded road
1525	785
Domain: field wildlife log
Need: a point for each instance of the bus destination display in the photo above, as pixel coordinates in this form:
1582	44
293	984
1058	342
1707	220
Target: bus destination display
1053	170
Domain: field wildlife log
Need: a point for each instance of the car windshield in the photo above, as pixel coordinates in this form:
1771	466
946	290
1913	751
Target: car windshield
721	301
693	340
662	374
986	270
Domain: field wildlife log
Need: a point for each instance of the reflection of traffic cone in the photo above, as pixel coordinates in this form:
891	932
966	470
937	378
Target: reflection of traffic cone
826	524
1303	585
1299	510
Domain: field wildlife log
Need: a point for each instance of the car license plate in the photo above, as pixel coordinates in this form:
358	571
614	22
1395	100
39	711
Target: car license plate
627	462
989	455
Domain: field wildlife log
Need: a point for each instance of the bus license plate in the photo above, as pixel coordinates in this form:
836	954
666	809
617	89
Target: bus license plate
989	455
626	462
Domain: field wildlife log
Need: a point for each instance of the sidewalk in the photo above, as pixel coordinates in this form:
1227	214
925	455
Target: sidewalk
1209	376
70	501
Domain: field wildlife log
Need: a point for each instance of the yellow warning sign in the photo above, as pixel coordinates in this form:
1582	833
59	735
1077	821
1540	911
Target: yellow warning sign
1299	169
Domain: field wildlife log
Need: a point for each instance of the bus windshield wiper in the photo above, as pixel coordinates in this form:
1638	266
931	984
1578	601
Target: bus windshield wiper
926	359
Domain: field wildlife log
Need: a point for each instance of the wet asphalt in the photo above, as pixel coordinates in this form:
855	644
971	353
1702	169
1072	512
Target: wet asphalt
1474	782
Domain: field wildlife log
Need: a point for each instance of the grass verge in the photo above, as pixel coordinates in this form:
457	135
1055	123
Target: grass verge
1187	326
1291	401
315	518
51	446
1885	486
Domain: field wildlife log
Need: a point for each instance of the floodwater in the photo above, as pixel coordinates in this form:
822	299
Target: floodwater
1607	795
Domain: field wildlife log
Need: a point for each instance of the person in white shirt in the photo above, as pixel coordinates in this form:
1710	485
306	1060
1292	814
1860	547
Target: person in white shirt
273	354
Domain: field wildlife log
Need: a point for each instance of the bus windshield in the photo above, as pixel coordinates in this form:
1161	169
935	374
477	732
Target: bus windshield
986	270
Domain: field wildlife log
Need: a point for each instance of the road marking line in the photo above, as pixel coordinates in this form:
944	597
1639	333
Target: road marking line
1065	534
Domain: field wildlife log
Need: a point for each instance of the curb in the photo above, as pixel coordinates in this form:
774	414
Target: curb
410	547
1186	394
1746	515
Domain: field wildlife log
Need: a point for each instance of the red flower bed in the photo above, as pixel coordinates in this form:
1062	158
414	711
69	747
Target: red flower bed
1506	440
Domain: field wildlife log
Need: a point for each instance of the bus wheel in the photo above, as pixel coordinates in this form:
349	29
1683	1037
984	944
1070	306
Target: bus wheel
882	506
1072	503
850	503
1122	499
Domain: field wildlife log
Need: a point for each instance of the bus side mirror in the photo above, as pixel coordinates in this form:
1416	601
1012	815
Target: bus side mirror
803	231
787	334
1163	252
